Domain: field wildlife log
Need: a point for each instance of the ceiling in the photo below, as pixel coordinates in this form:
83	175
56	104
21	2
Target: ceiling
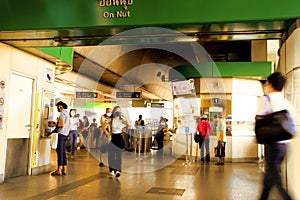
136	59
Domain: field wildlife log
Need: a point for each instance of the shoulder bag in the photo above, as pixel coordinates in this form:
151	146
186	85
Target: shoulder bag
274	127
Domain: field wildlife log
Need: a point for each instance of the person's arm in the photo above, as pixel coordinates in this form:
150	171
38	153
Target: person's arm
199	129
103	123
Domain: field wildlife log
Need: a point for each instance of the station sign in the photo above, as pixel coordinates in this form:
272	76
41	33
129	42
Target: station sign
157	105
86	95
135	95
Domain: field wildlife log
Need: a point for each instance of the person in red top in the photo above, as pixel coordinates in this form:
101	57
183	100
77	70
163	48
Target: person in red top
204	129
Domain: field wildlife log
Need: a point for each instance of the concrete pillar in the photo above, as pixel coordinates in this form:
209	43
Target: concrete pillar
289	65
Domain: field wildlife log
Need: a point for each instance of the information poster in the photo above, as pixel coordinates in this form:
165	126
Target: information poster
183	88
186	111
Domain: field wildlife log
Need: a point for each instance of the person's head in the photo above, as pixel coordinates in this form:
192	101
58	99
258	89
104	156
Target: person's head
73	113
108	112
204	117
140	117
161	119
85	118
116	112
275	82
61	106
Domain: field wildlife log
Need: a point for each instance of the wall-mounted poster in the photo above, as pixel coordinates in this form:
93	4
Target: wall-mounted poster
187	106
183	88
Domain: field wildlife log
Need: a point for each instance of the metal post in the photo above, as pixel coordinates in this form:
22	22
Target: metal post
186	146
139	138
145	142
187	149
191	148
140	144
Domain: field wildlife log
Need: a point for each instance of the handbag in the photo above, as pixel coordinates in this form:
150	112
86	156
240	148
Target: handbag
274	127
105	141
220	149
197	137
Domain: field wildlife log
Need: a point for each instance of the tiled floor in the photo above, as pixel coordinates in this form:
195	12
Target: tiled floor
150	177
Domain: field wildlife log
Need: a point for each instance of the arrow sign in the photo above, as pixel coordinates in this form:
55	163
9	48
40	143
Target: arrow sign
86	95
133	95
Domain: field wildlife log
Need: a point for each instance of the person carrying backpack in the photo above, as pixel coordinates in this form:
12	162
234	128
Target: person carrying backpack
204	129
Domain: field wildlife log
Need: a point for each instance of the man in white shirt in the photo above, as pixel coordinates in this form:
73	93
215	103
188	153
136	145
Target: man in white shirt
275	152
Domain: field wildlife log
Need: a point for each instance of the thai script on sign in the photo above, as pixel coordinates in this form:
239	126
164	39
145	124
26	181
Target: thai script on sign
115	2
124	13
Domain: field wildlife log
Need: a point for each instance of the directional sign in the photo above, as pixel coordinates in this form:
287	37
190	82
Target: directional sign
129	95
86	95
157	105
216	100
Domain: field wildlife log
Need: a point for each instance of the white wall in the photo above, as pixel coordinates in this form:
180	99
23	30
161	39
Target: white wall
15	60
216	85
292	51
290	54
5	57
244	103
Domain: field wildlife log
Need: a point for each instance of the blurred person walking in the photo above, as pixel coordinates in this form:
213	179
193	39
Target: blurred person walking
221	139
275	152
73	134
117	123
105	132
204	128
159	136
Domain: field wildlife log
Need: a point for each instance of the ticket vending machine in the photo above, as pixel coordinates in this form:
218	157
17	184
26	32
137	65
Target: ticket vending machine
48	121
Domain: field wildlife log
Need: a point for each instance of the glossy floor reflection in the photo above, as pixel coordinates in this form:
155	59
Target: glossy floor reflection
150	177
